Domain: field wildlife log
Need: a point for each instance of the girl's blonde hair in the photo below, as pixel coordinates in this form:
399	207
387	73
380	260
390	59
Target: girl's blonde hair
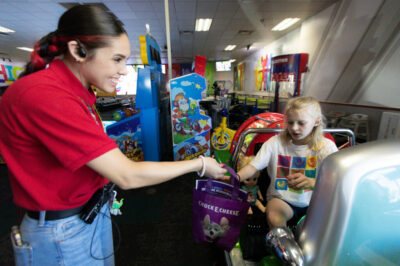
312	106
245	160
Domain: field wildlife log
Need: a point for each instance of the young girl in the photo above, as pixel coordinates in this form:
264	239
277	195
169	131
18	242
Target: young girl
58	155
293	159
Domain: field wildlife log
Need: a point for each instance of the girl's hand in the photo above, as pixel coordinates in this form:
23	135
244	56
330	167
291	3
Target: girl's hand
214	169
299	181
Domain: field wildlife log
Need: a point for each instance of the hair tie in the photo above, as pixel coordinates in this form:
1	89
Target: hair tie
37	61
52	49
55	39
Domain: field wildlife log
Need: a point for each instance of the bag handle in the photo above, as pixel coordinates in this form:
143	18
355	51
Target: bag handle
234	182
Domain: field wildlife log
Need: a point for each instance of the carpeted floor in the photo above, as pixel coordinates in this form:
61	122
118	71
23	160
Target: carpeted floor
155	226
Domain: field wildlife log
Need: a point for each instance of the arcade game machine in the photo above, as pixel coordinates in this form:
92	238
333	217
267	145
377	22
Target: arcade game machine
153	101
287	76
138	131
191	129
127	133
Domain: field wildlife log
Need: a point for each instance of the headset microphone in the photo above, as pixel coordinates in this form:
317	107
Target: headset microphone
81	50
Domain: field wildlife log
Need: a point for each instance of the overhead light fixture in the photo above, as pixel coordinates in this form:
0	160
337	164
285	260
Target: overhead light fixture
25	49
245	32
6	30
203	24
186	32
247	1
232	60
286	23
230	47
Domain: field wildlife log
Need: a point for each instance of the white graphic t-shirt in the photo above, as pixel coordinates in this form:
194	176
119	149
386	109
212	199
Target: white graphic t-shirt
283	160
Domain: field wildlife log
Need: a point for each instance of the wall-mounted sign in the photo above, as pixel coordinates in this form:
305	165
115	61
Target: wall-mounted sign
9	72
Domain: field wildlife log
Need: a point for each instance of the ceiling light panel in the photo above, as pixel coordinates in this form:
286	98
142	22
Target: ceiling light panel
25	49
284	24
203	24
6	30
230	47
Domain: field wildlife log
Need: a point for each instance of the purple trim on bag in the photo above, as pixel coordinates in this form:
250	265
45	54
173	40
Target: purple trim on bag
234	182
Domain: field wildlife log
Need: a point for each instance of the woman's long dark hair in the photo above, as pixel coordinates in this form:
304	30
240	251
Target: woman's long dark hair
90	24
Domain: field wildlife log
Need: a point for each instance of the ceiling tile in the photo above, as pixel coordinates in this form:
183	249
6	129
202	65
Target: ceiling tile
141	6
231	6
115	6
206	5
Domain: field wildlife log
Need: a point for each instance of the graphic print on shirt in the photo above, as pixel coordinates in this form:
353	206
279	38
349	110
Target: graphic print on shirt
294	164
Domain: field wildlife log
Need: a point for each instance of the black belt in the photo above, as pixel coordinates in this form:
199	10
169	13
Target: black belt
55	215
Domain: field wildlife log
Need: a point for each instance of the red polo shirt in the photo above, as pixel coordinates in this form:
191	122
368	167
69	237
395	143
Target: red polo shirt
47	135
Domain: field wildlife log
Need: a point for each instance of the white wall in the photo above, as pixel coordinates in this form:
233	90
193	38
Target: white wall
304	39
354	50
223	75
383	85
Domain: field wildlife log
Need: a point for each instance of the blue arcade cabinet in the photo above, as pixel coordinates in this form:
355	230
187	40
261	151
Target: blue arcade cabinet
153	101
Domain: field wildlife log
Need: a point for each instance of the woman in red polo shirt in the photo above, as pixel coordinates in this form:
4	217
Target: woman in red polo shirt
55	147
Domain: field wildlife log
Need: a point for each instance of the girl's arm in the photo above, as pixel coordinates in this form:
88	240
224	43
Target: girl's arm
127	174
246	172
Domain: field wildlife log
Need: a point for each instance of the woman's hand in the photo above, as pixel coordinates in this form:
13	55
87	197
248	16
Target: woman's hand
213	169
299	181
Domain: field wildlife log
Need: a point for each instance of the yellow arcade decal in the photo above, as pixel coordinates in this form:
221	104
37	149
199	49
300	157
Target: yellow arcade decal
222	138
143	49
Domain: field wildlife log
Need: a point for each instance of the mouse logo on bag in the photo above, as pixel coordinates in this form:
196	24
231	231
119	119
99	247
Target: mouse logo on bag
212	230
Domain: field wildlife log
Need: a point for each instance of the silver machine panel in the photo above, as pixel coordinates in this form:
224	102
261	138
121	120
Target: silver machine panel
354	213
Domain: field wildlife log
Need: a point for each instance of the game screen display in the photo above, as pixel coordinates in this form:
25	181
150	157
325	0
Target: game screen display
128	83
223	66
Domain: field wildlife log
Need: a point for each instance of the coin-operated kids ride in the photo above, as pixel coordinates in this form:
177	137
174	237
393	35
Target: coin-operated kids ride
263	120
221	139
246	145
353	215
152	100
191	129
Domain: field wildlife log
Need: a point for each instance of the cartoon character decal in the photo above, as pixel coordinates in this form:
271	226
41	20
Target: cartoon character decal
183	105
213	230
189	125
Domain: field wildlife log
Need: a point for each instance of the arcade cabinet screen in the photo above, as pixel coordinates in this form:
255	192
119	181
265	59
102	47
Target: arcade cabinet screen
223	65
127	84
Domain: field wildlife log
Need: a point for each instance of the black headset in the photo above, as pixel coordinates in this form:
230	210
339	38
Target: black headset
81	50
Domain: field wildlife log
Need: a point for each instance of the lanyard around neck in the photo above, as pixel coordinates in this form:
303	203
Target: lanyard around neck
91	108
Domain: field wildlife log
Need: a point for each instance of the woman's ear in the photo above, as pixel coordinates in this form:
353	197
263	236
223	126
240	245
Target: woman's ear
73	48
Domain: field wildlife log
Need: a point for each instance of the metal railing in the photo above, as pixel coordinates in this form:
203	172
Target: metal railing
345	131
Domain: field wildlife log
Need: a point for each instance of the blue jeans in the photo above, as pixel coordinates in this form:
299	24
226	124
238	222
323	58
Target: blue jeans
68	241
